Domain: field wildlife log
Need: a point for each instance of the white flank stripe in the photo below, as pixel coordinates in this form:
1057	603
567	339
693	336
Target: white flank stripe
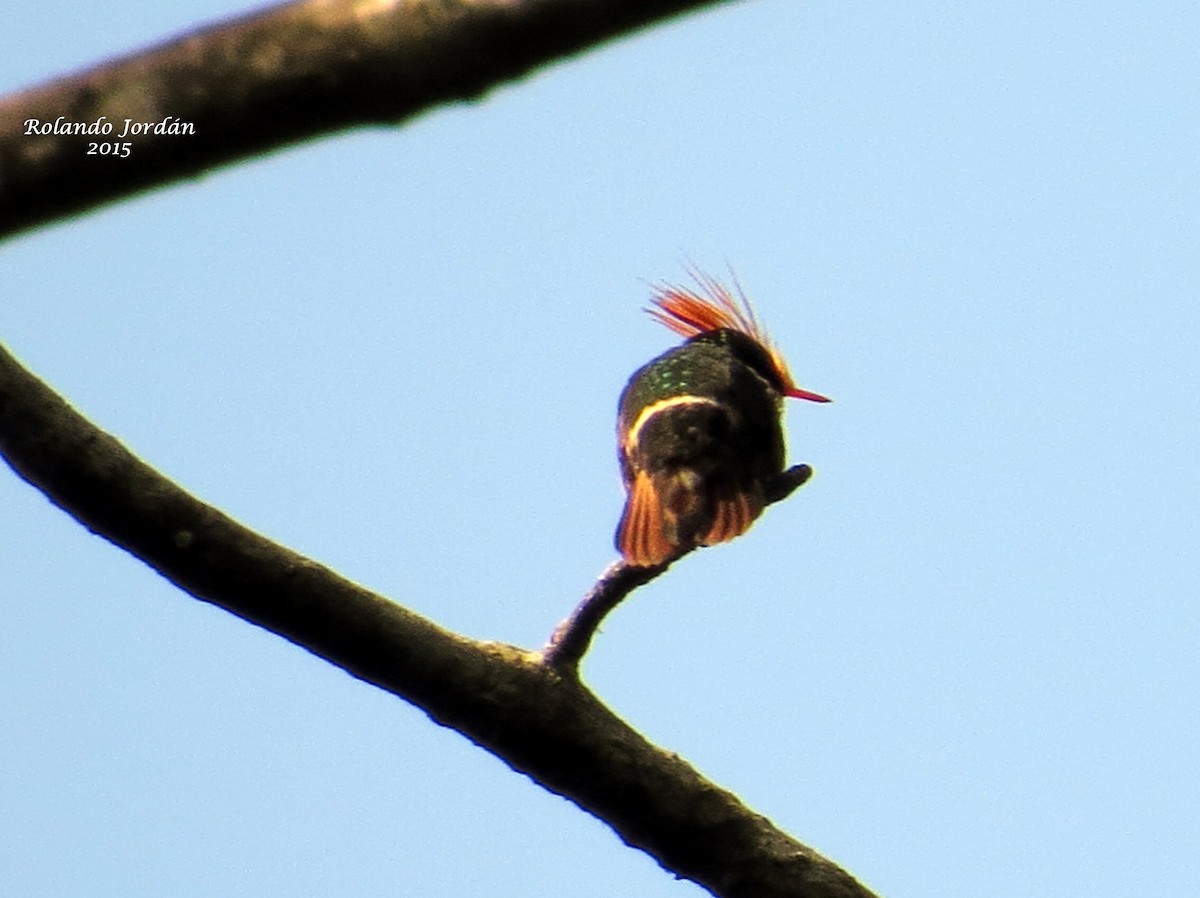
655	407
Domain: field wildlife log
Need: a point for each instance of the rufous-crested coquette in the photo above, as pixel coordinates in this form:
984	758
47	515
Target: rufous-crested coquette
699	429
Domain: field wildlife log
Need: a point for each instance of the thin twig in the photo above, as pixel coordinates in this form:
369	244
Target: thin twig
573	636
548	726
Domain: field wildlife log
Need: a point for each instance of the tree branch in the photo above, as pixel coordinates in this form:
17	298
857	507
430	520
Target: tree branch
571	639
277	77
266	81
505	699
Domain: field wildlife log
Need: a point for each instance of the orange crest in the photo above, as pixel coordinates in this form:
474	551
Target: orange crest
714	307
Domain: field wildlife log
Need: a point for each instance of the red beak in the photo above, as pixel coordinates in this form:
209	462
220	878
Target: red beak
797	393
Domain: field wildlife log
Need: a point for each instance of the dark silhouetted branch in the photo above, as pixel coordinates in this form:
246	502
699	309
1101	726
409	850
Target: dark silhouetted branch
505	699
263	82
573	636
272	78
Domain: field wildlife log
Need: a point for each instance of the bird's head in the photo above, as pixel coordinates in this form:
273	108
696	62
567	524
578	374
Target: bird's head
713	313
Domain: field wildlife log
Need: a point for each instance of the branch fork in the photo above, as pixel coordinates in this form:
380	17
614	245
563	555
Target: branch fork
573	636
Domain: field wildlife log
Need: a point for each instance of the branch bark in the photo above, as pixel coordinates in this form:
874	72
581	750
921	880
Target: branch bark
572	637
541	721
277	77
265	81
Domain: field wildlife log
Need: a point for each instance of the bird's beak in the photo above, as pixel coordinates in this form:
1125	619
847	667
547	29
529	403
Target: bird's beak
797	393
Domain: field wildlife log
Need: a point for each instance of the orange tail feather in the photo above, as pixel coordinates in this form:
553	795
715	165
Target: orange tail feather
732	516
641	539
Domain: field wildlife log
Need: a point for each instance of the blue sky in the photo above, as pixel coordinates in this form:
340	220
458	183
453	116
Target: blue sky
962	660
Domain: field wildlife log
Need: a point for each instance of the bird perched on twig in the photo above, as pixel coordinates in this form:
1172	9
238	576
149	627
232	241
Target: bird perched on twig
699	429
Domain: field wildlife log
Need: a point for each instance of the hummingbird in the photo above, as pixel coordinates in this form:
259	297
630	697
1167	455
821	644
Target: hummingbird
699	428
